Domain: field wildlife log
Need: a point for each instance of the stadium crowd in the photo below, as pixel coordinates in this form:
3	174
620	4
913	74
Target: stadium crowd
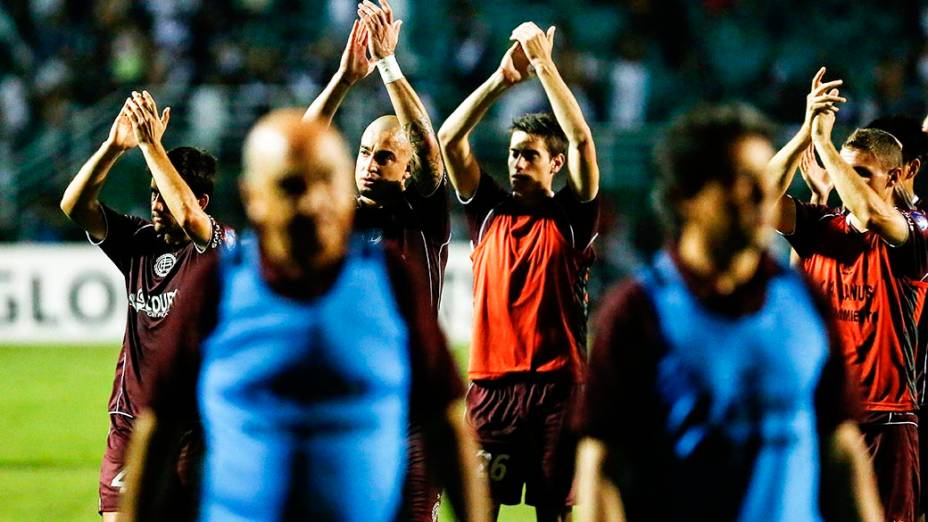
630	63
294	369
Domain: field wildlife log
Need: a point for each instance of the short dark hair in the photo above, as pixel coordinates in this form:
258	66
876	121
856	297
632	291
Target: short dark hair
908	130
884	146
542	124
697	149
197	167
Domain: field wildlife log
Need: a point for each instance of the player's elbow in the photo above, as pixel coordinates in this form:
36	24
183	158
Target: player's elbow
581	137
449	139
66	205
188	219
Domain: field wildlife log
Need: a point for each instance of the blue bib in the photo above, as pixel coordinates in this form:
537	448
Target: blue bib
743	388
305	403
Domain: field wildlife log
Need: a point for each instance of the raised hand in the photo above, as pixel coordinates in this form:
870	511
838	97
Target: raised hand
143	113
122	137
515	66
355	64
823	120
535	43
816	177
383	30
822	98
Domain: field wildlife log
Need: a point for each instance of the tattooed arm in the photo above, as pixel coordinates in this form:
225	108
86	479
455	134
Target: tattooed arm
426	165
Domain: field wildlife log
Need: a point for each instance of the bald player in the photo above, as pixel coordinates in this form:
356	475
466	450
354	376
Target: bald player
305	418
402	192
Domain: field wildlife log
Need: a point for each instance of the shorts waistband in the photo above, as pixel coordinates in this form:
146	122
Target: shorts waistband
890	418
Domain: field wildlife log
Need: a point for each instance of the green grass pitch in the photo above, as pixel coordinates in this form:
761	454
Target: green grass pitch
53	430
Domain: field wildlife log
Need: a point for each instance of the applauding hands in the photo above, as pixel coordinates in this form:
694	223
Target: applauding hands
142	111
821	105
383	29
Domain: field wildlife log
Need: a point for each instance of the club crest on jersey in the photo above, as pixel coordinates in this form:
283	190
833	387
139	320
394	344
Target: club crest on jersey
164	264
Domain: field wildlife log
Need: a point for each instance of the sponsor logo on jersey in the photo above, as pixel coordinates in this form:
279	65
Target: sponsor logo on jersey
164	264
156	306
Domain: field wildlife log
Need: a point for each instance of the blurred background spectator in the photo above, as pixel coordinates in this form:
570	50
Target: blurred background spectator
65	68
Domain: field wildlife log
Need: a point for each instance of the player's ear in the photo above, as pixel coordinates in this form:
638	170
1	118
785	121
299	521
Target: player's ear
914	166
203	201
894	175
557	163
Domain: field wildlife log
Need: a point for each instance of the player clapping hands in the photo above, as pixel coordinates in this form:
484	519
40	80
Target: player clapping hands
142	111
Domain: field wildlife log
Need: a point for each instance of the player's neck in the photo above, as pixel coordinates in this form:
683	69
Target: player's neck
174	239
297	277
380	200
532	197
723	273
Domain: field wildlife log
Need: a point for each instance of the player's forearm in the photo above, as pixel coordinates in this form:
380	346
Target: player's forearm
848	485
783	165
326	104
597	497
461	122
416	124
454	134
452	443
563	103
863	202
80	199
582	168
177	195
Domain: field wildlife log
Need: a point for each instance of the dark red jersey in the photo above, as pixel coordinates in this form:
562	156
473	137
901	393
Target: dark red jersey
873	292
419	227
158	278
531	267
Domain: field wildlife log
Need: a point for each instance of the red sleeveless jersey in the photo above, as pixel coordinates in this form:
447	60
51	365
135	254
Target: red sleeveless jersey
531	266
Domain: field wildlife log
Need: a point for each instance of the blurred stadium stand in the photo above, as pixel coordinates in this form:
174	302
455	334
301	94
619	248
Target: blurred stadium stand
65	68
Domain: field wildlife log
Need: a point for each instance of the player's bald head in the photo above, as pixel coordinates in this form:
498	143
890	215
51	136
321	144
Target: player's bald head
297	188
385	159
386	123
283	141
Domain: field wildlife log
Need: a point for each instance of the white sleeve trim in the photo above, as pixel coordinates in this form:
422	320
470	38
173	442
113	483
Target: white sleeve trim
106	230
465	201
214	240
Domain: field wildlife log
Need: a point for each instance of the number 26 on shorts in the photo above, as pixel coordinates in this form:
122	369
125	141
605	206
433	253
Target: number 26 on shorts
497	466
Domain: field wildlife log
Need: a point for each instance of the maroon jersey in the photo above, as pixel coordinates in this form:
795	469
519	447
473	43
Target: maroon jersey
157	279
874	296
419	227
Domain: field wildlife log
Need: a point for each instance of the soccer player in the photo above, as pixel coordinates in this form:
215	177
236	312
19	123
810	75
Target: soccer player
865	259
155	256
531	259
724	366
315	351
400	178
402	191
908	130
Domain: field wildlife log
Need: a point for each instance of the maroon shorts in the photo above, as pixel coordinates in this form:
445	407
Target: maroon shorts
892	440
112	471
525	436
421	496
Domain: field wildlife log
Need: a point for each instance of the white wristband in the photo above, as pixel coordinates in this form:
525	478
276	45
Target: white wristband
389	69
